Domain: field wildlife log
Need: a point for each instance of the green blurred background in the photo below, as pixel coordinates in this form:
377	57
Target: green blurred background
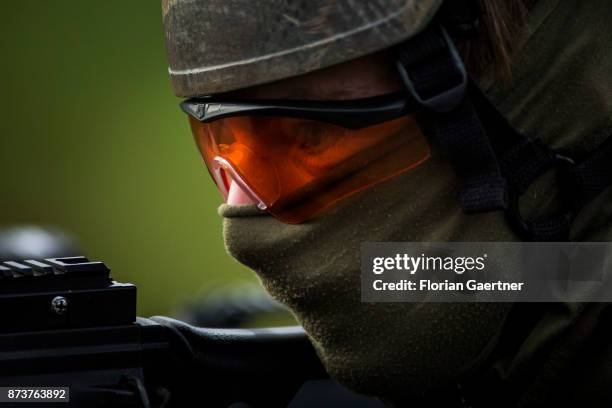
92	140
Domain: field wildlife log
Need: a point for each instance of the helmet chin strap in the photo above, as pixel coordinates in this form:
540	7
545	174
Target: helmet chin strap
495	163
435	76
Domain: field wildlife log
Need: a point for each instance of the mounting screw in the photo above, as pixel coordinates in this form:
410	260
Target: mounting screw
59	305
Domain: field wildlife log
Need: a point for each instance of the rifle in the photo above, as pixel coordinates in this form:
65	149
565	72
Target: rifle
67	323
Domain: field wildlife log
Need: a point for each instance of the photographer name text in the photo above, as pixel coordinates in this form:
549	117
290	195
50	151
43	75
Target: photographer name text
411	265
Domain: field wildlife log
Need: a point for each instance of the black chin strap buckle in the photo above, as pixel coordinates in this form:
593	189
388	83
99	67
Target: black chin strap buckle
435	90
551	227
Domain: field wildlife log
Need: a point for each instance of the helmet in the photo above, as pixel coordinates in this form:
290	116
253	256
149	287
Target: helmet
275	39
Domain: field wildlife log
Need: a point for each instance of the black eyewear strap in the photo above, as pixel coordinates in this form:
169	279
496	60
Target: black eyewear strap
352	114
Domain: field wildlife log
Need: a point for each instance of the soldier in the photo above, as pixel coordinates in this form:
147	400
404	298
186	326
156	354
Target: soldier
328	123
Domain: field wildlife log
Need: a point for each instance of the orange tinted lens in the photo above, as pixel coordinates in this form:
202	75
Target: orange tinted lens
299	167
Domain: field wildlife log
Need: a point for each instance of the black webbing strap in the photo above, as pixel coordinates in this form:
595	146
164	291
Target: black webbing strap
522	160
461	135
494	162
434	74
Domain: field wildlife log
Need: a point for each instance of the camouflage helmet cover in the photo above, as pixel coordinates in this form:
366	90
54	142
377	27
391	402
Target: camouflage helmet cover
220	45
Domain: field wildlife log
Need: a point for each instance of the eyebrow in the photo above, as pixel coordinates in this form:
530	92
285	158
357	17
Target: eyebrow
321	93
313	93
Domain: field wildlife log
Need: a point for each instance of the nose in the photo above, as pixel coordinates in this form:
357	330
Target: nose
237	195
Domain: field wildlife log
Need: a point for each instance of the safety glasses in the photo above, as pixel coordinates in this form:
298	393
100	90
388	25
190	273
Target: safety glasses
298	158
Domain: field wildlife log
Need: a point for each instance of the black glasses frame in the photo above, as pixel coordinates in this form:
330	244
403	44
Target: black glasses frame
352	114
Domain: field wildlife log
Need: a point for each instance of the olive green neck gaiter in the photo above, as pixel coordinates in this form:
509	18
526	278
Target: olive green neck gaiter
561	94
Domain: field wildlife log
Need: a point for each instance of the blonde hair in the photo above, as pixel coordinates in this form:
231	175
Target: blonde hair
502	26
